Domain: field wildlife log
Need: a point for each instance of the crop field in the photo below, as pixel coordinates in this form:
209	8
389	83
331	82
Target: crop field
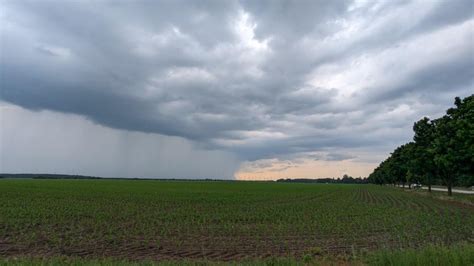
221	221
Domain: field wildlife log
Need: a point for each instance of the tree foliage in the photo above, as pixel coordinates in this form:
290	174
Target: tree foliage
442	151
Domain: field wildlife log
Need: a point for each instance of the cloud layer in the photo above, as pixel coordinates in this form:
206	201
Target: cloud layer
262	80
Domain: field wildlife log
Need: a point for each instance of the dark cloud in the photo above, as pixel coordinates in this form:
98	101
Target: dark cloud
51	142
258	78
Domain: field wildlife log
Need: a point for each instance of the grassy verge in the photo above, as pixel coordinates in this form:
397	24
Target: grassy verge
462	198
431	255
466	198
457	255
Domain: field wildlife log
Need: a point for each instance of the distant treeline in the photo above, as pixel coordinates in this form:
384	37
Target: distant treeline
62	176
344	180
441	153
48	176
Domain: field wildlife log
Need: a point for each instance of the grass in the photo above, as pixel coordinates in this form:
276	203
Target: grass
123	220
457	255
462	198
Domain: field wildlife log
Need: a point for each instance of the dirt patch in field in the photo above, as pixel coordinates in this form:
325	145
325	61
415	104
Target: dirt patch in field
228	249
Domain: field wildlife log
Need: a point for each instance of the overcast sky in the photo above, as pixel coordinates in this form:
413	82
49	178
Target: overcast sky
224	89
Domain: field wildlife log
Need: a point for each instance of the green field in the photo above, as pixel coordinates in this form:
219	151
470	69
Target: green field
220	221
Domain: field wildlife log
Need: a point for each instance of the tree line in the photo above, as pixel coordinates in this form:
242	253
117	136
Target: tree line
441	153
346	179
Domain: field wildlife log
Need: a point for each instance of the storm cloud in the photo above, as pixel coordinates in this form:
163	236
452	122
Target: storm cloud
259	80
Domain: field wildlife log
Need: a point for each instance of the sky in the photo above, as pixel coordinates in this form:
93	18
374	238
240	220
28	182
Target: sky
224	89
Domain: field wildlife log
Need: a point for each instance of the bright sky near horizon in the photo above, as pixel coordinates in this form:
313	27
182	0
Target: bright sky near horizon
224	89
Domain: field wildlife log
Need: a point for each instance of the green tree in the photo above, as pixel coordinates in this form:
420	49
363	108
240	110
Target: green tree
463	121
423	158
453	143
